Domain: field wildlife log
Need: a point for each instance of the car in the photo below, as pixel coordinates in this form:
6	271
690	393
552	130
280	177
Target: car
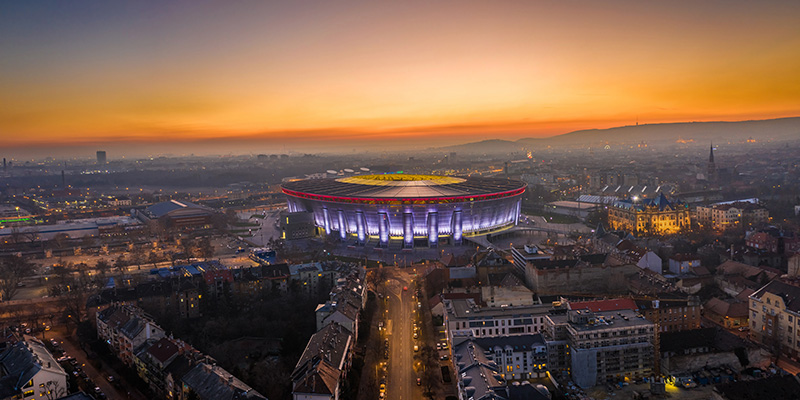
416	348
743	329
419	382
386	355
383	387
444	357
416	335
405	288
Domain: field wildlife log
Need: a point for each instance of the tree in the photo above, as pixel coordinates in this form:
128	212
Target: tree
153	259
205	248
102	267
12	270
430	365
121	264
53	390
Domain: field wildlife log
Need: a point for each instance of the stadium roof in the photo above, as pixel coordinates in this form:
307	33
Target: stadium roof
376	188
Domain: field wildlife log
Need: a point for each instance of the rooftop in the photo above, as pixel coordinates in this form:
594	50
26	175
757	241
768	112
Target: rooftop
400	186
466	308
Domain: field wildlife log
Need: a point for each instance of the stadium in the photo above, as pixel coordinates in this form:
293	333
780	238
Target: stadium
414	210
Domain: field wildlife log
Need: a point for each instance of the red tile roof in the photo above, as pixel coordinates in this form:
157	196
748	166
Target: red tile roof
605	305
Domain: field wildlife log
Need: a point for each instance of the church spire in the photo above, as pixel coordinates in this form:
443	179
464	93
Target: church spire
711	153
712	168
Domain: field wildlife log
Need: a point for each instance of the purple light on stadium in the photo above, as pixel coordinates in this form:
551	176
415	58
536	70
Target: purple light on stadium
408	207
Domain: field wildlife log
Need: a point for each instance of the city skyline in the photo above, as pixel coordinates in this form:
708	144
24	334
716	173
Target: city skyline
350	74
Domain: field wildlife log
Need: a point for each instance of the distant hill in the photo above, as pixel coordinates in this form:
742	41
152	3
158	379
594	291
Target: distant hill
770	129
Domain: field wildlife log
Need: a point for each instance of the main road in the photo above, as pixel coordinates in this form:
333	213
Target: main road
401	382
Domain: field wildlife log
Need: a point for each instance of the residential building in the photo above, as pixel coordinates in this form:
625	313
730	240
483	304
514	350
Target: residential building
480	376
518	357
650	216
629	253
311	277
775	316
29	371
669	315
323	365
463	317
672	315
585	275
210	382
151	361
734	277
681	264
526	254
601	348
729	215
730	314
504	290
125	328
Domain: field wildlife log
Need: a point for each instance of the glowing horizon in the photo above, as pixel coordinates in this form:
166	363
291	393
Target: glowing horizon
83	73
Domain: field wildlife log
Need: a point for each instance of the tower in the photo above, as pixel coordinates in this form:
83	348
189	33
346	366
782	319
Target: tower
712	168
101	157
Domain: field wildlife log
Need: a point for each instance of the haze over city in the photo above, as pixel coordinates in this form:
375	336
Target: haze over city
210	77
442	200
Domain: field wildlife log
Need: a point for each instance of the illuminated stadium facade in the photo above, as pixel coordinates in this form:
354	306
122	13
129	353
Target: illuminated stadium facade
410	208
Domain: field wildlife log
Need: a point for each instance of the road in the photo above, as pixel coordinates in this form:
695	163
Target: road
267	227
401	382
98	377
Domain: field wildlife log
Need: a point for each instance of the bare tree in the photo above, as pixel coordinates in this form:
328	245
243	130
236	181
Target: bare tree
12	270
53	390
121	264
102	267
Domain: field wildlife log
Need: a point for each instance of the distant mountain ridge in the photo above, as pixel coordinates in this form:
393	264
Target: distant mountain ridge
718	131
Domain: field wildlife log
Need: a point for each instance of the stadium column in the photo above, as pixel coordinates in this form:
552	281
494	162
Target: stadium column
361	227
517	210
326	216
457	227
342	225
408	229
383	228
433	228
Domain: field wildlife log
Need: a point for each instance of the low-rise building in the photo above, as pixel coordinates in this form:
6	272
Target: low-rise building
518	357
210	382
504	290
125	328
464	318
29	371
729	215
681	264
323	365
728	313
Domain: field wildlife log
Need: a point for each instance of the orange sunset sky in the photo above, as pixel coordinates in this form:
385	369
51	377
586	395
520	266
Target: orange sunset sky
86	72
